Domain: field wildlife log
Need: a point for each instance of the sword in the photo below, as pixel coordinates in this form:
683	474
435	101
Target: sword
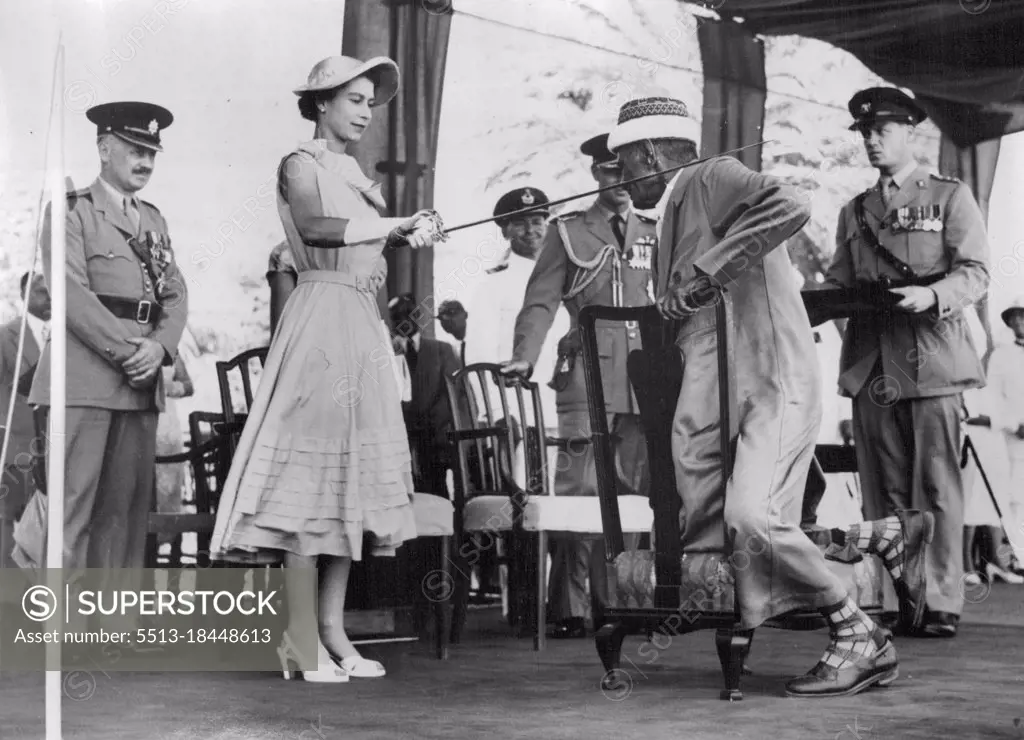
560	201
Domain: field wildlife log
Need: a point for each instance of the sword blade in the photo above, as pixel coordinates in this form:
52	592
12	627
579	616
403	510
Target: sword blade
623	184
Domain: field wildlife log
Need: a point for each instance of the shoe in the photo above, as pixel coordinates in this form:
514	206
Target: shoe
327	670
824	681
569	629
972	580
940	624
994	573
918	530
359	667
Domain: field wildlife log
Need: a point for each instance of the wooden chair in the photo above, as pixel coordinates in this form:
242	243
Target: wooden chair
235	413
207	473
668	590
491	503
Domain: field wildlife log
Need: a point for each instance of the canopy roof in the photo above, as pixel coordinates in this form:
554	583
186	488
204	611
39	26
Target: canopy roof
963	60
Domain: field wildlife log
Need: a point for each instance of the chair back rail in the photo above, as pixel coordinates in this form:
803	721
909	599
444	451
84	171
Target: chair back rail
240	362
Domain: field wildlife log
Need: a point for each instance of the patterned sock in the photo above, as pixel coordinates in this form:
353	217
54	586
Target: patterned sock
851	631
882	537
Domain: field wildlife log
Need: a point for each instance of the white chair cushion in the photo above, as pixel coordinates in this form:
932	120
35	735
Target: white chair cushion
580	514
435	516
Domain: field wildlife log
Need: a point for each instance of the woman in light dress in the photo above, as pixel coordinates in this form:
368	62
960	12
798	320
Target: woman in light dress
324	458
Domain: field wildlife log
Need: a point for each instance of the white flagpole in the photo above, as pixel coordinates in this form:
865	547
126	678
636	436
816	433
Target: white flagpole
58	386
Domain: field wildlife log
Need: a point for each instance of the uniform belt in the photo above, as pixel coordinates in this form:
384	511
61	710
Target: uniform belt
143	312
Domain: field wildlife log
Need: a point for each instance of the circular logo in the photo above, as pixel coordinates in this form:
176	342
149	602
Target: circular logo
79	95
974	588
39	603
79	685
884	391
347	391
438	586
975	7
616	684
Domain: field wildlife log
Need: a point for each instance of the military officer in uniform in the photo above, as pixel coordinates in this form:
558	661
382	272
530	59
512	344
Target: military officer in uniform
906	370
598	256
126	309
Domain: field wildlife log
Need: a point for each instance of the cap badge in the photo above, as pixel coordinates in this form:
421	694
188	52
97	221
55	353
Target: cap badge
527	198
865	107
153	127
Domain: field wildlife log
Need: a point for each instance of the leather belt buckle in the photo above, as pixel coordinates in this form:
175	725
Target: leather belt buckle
142	312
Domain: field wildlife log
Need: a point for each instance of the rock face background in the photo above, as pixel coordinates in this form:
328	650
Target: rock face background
527	82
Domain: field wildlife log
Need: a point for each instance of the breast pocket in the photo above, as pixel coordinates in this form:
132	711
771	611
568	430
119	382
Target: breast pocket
113	272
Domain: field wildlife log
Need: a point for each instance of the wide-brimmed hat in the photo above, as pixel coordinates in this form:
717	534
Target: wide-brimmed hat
1017	305
334	72
653	118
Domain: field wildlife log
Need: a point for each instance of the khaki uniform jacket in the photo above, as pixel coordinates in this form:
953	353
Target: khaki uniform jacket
100	261
920	355
581	265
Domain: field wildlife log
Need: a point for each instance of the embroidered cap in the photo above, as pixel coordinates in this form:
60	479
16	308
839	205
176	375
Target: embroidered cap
653	118
333	72
136	123
876	104
516	200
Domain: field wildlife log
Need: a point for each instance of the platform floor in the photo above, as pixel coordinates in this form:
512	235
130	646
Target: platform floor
495	686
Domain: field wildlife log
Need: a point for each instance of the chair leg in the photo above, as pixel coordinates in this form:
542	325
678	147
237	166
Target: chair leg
443	606
542	591
733	646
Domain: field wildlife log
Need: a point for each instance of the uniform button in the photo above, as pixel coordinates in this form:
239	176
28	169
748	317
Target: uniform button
110	351
110	255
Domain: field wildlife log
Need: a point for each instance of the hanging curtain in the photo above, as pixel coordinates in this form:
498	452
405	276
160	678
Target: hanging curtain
399	149
976	166
734	90
963	60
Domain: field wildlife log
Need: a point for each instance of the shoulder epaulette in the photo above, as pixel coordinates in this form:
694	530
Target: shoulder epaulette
146	202
945	178
74	195
565	215
646	219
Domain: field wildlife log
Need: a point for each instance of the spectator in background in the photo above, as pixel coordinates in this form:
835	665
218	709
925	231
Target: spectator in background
16	380
453	316
428	415
1006	382
282	278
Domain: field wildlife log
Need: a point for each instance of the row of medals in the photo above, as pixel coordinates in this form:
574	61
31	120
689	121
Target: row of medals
917	218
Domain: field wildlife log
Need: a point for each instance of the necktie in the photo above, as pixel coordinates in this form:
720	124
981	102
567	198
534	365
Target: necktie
462	352
132	212
886	185
410	355
619	231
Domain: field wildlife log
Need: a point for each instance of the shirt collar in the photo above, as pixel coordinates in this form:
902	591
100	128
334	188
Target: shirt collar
607	213
117	196
905	172
35	325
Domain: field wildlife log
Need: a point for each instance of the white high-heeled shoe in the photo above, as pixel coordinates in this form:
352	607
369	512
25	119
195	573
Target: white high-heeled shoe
359	667
327	670
994	572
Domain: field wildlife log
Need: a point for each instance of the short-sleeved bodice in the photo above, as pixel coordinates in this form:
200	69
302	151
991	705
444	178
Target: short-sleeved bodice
345	192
